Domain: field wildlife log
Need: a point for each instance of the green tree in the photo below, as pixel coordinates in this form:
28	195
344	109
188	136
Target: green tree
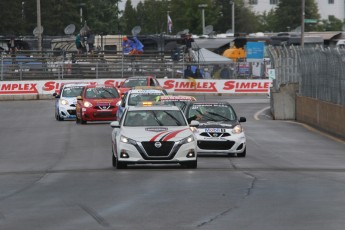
288	15
129	18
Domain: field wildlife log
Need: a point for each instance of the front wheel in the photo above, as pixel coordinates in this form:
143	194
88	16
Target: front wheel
120	165
243	154
190	164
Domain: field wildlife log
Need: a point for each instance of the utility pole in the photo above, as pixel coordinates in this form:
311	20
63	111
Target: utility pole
302	23
39	26
203	6
232	2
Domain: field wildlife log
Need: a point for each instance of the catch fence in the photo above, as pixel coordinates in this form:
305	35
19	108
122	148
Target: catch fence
320	72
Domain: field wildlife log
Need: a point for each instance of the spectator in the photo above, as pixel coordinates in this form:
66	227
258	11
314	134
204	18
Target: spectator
207	74
188	72
91	41
78	44
198	74
189	51
127	45
138	47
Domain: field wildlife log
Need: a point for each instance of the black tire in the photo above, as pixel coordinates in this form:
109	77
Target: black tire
243	154
190	164
77	120
113	158
57	116
120	165
83	122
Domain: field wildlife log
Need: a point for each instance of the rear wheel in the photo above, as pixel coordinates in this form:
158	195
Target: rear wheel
243	154
190	164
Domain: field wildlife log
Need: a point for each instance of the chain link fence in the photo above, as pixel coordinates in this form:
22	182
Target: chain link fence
319	71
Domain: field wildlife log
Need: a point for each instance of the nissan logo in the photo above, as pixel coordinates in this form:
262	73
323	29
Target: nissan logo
158	145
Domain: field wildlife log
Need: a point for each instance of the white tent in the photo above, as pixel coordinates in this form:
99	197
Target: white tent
205	56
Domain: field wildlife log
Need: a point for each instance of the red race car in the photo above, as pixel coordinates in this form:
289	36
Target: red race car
131	82
97	103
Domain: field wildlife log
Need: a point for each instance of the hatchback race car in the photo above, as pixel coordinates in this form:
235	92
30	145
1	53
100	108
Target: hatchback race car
220	130
135	96
131	82
66	100
179	101
153	134
97	103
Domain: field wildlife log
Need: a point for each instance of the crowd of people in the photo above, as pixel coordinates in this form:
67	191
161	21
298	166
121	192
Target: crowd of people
217	72
85	42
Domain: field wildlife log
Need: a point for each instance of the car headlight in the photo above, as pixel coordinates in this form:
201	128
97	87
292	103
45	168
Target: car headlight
237	129
188	139
127	140
64	102
87	104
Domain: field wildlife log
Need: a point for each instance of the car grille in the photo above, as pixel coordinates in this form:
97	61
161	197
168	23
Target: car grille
102	106
71	112
206	134
215	145
153	151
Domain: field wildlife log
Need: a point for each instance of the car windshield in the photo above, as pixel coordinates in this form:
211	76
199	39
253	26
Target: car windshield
101	92
129	83
180	104
135	98
155	118
212	112
73	91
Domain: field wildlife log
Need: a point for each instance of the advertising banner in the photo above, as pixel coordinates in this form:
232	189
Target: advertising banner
176	86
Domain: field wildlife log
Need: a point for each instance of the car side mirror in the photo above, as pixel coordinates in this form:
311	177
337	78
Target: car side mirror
194	123
79	98
115	124
242	119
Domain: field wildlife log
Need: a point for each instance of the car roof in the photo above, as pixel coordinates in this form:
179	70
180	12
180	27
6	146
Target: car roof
154	107
74	84
176	98
99	85
140	77
145	91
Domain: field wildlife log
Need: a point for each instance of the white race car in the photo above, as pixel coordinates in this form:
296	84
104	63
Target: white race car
66	100
135	96
220	130
153	134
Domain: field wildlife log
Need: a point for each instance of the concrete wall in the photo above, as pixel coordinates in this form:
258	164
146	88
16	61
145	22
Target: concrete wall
322	115
283	102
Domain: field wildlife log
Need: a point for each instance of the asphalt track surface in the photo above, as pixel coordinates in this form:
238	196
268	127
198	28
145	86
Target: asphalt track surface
58	175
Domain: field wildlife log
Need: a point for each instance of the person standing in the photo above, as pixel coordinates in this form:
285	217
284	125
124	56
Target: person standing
91	41
78	44
188	72
127	45
189	51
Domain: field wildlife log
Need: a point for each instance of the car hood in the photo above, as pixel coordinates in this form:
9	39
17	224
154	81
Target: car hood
217	124
160	133
103	100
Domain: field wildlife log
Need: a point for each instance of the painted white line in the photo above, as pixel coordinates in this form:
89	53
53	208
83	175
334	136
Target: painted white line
257	114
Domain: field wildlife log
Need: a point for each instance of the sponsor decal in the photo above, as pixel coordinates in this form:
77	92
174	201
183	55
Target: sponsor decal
247	86
156	129
18	88
191	86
